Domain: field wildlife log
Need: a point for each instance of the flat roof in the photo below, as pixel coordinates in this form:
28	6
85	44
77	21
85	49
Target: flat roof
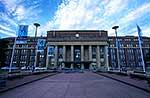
77	31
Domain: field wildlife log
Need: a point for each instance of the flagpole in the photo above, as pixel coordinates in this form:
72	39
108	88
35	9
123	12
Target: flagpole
141	54
115	28
36	25
12	56
13	51
140	41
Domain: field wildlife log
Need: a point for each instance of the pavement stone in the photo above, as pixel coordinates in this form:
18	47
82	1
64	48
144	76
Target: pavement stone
138	83
76	85
11	84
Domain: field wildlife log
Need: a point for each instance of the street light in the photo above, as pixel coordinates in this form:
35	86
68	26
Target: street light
36	25
115	28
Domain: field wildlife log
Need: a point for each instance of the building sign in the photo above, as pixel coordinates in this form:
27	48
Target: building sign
41	44
51	50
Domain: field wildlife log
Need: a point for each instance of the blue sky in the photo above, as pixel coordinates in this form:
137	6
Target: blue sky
75	14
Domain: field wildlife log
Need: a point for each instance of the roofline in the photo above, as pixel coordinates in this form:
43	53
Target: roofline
127	37
77	31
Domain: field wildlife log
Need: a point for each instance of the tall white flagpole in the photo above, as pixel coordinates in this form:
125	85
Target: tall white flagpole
36	25
118	60
13	51
139	39
141	54
35	62
12	56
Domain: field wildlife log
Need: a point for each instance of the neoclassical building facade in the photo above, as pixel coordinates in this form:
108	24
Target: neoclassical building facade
77	49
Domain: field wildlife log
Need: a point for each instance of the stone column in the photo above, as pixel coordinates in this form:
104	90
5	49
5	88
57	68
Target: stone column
82	56
106	57
64	55
90	55
98	56
47	58
56	56
72	55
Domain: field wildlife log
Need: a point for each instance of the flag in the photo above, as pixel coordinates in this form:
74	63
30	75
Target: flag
109	51
119	44
23	31
51	51
140	41
139	34
41	44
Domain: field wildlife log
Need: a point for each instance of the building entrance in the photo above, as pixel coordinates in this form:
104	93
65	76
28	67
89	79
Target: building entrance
77	54
77	66
86	66
67	65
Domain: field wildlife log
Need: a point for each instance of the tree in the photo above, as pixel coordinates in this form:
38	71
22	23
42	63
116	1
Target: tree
3	49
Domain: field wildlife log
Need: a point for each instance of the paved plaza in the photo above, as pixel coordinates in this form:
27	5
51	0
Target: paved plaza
76	85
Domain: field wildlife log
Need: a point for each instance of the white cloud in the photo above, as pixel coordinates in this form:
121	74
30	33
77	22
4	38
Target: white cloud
114	6
73	15
20	12
86	14
80	14
17	13
6	28
132	17
145	31
7	33
40	31
8	20
31	30
10	5
136	13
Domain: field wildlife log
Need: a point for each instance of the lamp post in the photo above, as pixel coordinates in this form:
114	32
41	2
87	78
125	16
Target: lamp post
115	28
36	25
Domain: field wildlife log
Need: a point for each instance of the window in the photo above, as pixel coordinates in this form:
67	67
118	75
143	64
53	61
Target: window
120	39
60	52
137	45
93	52
111	39
24	46
41	56
77	55
112	45
135	39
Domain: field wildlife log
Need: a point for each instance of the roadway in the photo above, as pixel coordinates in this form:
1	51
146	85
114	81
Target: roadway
76	85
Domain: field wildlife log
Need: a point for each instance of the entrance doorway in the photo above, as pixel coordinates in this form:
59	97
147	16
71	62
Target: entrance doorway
67	65
77	66
86	66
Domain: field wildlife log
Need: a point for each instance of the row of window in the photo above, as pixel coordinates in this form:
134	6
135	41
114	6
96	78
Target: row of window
130	45
123	63
111	45
129	51
128	39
